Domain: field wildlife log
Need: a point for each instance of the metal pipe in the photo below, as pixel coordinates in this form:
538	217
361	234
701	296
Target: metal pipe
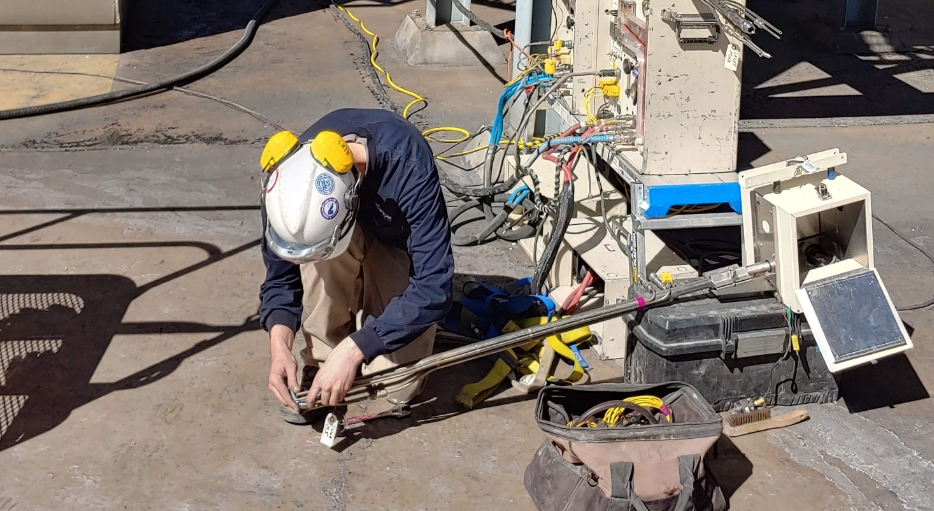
381	384
442	12
522	32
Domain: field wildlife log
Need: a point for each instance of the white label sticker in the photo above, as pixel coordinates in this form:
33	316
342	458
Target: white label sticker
732	57
329	432
808	167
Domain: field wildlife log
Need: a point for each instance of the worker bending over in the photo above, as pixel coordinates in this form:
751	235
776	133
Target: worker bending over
356	229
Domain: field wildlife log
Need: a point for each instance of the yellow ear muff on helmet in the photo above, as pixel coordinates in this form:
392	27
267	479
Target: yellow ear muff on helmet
332	151
277	148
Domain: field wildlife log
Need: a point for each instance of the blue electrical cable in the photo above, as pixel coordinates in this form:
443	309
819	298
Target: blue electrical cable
496	130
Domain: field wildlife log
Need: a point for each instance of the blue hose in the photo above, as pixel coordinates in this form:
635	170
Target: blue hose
518	195
594	139
496	130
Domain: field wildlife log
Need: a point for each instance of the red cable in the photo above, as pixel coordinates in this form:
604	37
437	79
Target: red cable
571	302
572	158
509	66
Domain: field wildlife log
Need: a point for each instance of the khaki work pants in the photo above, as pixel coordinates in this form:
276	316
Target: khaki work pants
341	292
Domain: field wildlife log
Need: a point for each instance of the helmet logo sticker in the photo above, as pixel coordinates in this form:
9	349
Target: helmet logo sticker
272	180
324	184
330	208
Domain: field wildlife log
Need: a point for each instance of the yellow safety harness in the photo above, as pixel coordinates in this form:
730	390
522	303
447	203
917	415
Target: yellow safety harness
528	360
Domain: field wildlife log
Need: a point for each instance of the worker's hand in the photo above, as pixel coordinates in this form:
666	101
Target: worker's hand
282	366
336	375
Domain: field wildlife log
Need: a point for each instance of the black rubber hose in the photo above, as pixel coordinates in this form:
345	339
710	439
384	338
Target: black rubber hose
469	191
508	233
497	225
477	21
483	234
513	235
143	90
565	212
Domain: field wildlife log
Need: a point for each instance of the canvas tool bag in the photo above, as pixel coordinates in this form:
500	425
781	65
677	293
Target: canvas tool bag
654	467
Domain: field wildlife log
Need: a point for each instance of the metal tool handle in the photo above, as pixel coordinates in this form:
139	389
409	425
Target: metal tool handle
381	384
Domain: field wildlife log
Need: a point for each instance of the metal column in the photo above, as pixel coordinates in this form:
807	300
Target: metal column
442	12
854	14
533	24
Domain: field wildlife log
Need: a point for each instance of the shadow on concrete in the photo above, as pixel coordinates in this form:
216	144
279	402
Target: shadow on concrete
54	329
891	381
750	148
788	86
152	24
483	62
435	404
73	213
730	466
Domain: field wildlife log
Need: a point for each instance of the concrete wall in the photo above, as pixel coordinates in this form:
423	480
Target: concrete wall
60	27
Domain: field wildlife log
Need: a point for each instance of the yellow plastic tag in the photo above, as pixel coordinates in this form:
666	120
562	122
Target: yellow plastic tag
794	343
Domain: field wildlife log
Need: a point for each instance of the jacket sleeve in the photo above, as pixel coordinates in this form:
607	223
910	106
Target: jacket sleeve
427	299
281	292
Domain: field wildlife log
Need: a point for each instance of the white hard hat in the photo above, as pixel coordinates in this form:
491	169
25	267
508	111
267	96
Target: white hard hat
311	201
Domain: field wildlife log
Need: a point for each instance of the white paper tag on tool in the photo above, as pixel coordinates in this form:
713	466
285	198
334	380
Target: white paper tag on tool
731	61
330	430
808	167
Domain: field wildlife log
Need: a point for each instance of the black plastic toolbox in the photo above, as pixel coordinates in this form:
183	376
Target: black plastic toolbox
729	350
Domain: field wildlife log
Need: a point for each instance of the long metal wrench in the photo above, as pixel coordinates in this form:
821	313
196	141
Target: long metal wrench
382	384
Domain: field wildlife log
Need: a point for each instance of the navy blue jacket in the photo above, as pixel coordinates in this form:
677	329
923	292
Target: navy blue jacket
401	205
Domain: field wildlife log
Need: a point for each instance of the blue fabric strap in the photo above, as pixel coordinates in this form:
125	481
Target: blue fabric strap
494	306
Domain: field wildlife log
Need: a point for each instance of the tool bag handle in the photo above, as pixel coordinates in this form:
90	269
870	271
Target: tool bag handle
623	498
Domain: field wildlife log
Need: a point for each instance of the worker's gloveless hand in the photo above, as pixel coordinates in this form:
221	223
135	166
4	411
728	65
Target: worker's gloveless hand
282	366
336	375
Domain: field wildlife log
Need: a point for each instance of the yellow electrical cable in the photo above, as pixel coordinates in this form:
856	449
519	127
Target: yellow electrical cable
465	135
613	415
518	77
535	143
588	97
694	209
417	98
534	63
646	401
701	209
373	42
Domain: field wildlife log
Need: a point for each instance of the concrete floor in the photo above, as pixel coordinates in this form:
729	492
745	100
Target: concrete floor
132	369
